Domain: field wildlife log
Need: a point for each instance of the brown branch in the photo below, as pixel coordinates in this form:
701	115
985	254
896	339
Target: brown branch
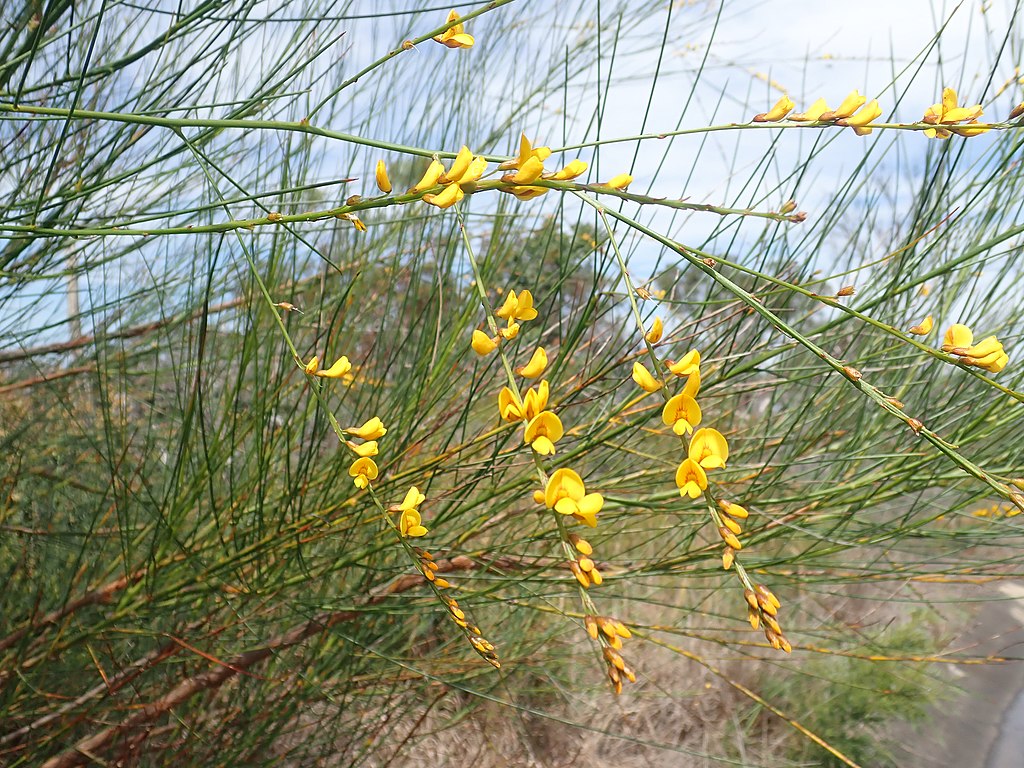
87	748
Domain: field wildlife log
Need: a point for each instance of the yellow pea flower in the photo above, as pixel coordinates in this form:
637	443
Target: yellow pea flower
566	494
644	379
455	36
571	171
459	166
987	353
526	193
781	108
371	430
536	400
430	177
692	386
410	524
510	332
543	431
958	336
526	151
691	479
508	408
924	328
474	171
850	104
313	365
482	343
657	329
364	450
621	181
528	173
446	198
383	182
681	413
363	471
709	448
413	499
340	368
813	113
687	365
517	307
868	113
947	113
538	363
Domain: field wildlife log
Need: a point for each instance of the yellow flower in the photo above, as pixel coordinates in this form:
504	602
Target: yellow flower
691	479
459	166
566	494
733	510
446	198
924	328
455	36
527	173
430	177
657	329
509	333
709	448
621	181
508	408
383	182
782	108
371	430
536	400
692	386
413	499
850	104
868	113
526	152
987	353
538	363
313	365
482	343
517	307
365	450
571	171
813	113
958	337
526	193
681	413
410	523
688	365
543	431
644	379
947	113
362	471
340	368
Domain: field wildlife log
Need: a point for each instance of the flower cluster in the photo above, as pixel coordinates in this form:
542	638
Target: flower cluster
762	609
465	169
528	166
946	114
610	633
987	353
363	470
429	569
852	112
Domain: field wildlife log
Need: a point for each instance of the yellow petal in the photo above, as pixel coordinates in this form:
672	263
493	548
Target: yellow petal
312	365
571	171
957	336
482	343
815	111
448	197
528	172
657	328
509	333
340	368
508	309
621	181
948	100
459	166
868	113
365	450
475	171
538	363
433	173
524	306
781	108
644	379
689	364
563	484
371	430
850	105
383	182
708	447
413	499
924	328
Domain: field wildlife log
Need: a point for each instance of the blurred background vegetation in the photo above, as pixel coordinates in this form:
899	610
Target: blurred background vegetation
191	576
